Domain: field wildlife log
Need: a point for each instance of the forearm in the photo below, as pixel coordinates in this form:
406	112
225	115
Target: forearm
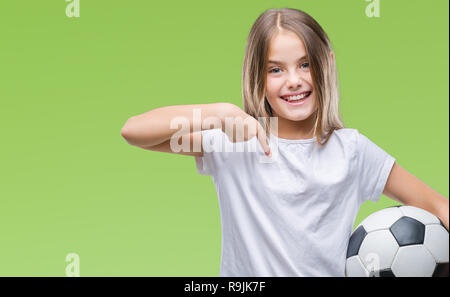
435	203
154	127
442	210
407	189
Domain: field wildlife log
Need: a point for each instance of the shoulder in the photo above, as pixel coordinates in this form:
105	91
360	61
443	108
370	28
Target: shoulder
346	131
348	139
347	134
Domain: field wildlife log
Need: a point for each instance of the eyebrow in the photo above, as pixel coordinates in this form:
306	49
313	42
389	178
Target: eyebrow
281	63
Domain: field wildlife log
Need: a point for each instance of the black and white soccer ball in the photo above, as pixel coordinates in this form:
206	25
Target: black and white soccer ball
398	241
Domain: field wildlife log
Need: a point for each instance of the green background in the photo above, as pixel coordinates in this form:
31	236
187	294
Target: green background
69	183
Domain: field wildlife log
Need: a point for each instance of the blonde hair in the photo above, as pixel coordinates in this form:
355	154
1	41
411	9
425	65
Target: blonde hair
322	68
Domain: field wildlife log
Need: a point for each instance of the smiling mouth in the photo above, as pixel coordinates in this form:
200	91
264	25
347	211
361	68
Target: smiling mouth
298	100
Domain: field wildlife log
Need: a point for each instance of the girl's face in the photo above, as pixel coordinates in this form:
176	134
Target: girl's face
288	73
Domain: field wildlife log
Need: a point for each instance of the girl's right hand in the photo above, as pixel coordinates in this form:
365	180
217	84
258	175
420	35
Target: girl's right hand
246	128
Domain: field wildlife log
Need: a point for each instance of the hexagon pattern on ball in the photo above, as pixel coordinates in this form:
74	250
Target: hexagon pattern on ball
382	219
413	260
376	243
434	235
398	241
355	265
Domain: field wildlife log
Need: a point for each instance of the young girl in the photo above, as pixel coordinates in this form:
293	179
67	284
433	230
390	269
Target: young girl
289	212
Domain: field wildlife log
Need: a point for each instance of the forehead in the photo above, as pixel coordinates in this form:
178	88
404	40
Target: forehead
286	46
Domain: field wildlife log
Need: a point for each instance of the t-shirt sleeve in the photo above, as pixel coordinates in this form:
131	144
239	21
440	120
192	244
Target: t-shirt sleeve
214	155
373	168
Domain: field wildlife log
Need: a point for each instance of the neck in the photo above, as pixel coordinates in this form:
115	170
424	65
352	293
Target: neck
288	129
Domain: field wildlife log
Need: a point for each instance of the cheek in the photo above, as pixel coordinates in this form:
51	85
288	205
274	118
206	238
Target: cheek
309	80
272	97
273	87
269	85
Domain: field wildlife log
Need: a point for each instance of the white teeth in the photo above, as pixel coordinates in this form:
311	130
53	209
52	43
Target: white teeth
293	98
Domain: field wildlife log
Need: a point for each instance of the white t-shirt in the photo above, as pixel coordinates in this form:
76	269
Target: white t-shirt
292	214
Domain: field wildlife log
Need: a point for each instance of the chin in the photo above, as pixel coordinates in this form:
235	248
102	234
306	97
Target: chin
297	117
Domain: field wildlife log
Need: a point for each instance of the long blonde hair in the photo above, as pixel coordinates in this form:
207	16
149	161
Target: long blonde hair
322	67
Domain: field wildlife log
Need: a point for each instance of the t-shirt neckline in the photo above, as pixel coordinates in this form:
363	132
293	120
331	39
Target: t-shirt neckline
293	140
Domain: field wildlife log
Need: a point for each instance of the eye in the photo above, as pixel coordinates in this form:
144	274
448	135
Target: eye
271	70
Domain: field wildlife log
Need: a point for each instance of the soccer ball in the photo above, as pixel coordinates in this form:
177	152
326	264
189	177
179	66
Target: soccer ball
398	241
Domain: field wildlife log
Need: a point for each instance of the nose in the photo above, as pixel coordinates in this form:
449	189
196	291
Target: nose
294	81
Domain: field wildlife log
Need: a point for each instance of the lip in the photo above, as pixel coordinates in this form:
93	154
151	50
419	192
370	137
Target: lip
294	94
297	103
